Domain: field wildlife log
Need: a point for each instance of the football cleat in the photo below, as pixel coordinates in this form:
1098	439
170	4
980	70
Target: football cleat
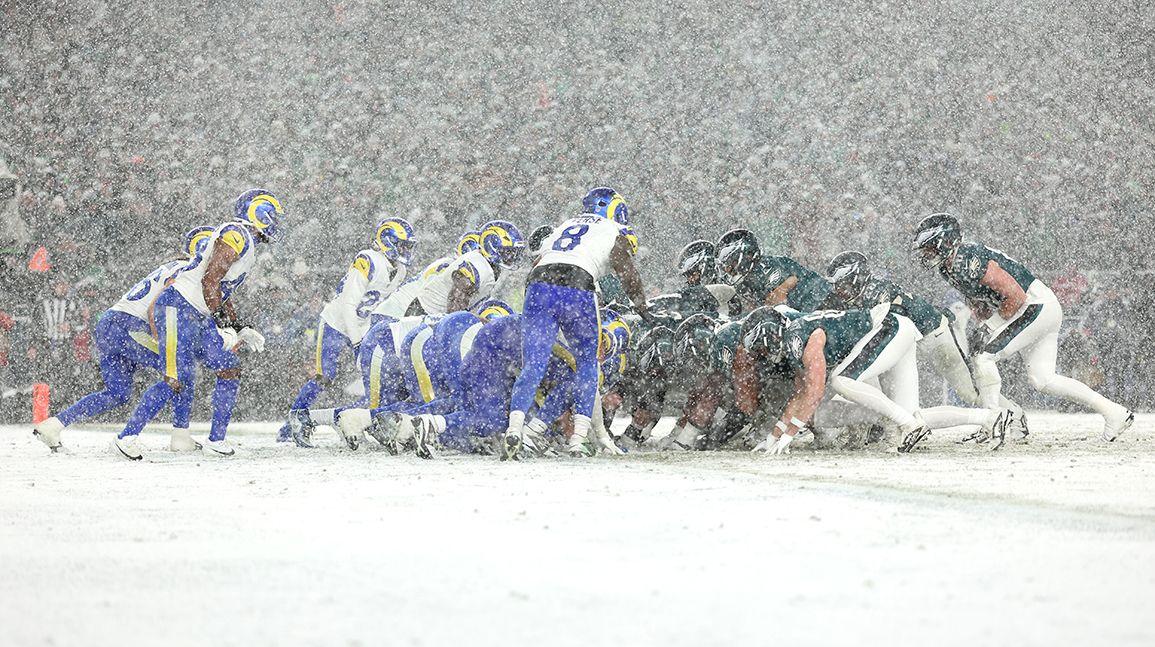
351	431
301	427
127	447
48	431
423	435
181	441
218	447
510	445
1116	425
913	438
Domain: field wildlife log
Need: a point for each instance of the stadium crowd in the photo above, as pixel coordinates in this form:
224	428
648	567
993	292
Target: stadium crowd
123	123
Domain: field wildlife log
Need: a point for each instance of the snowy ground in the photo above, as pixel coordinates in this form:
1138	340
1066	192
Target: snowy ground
1051	543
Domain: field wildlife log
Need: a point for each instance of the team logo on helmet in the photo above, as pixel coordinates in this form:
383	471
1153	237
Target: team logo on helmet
795	346
502	243
195	240
468	242
261	210
493	308
394	238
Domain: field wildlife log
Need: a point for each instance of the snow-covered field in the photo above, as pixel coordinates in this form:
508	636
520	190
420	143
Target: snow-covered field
1050	543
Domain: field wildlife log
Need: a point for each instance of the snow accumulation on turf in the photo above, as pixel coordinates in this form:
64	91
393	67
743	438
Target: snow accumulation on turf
1046	543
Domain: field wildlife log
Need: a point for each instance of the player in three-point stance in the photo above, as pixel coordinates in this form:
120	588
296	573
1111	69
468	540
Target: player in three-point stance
374	275
561	296
125	343
186	315
1021	313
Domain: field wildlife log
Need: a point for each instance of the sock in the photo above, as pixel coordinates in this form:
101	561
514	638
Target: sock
151	402
439	424
581	428
323	416
517	420
224	398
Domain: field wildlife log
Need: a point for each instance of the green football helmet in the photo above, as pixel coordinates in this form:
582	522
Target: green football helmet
848	273
738	254
694	341
936	239
762	334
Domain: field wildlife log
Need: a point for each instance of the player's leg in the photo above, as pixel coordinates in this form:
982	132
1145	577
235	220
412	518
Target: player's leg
226	364
326	354
890	344
178	331
539	332
1040	360
950	362
581	325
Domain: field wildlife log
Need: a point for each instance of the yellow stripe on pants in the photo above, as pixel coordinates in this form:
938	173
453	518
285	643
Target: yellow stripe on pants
375	378
320	338
424	382
170	323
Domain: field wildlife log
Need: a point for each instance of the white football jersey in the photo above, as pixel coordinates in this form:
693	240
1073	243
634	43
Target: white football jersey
397	303
188	280
434	295
137	300
584	241
370	280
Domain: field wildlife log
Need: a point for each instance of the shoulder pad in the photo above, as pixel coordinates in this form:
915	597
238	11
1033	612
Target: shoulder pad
468	271
236	236
363	264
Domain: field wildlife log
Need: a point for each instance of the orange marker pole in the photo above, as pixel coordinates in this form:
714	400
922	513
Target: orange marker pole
40	398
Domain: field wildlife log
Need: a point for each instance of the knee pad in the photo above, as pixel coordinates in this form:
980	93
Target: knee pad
1040	382
985	370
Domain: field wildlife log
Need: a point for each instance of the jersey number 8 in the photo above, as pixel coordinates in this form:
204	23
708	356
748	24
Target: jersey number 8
570	237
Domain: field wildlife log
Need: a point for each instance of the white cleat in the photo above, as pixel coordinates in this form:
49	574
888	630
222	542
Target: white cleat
181	441
218	448
351	428
577	447
48	431
1116	425
127	447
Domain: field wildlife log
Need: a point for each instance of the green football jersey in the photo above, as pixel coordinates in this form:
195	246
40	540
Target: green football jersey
969	266
771	271
844	329
925	316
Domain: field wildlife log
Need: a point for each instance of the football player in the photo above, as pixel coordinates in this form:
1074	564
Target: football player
561	297
1020	312
767	280
471	278
373	276
849	273
125	343
188	334
850	351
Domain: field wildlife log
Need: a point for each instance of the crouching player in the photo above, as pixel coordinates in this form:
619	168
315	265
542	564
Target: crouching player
187	333
850	351
855	285
125	343
1020	311
478	409
722	373
561	296
373	276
